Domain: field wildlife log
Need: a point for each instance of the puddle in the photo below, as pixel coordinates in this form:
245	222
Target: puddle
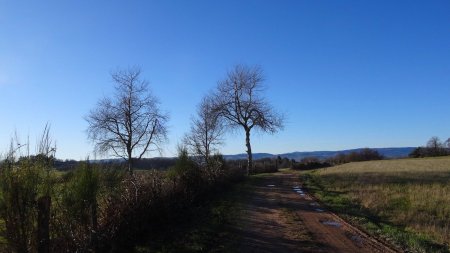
357	239
302	194
319	210
331	223
314	204
270	185
299	191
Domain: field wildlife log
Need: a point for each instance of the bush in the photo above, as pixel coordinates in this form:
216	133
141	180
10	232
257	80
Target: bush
22	183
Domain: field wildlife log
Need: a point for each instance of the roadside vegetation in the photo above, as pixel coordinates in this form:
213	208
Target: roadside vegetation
97	208
405	201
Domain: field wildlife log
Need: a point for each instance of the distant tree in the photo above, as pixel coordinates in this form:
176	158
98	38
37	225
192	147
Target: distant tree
239	102
339	158
205	134
130	124
447	143
309	159
434	143
310	162
367	154
418	152
435	147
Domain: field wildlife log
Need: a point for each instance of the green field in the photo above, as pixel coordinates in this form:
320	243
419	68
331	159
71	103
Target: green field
406	201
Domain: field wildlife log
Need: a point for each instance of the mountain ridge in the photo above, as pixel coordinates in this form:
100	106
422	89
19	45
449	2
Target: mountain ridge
393	152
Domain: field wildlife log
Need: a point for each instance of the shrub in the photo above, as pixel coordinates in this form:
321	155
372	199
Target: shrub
22	183
75	218
19	187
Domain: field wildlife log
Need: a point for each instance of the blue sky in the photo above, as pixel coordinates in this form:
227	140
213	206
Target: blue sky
347	74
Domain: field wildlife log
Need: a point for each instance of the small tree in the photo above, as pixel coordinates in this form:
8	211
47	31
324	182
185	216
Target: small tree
239	102
130	124
205	133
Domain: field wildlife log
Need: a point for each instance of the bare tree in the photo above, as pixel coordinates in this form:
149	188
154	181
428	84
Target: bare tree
434	143
240	103
130	124
447	143
205	133
435	146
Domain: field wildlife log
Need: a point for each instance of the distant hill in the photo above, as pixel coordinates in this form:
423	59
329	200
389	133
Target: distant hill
386	152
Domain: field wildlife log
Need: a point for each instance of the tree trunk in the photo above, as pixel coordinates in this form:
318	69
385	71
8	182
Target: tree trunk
249	151
130	164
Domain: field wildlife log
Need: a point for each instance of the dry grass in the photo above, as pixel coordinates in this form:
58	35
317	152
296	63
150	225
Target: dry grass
411	193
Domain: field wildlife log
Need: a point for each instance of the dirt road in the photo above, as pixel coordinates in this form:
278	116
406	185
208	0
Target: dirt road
280	216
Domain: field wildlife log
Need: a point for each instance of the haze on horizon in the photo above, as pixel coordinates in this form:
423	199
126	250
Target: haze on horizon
347	74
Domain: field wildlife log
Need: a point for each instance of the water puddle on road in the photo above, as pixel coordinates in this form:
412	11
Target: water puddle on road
357	239
270	185
319	210
332	223
314	204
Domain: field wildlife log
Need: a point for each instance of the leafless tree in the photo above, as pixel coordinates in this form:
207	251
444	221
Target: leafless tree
240	102
435	146
434	143
205	133
447	143
130	124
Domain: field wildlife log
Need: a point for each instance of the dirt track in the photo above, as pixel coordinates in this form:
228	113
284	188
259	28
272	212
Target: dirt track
280	216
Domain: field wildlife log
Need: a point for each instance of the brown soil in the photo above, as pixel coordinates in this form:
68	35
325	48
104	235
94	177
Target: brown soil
277	218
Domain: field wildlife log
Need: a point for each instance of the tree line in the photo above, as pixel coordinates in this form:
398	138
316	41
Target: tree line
365	154
434	147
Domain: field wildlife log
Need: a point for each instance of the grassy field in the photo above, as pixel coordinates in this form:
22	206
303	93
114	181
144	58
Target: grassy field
406	201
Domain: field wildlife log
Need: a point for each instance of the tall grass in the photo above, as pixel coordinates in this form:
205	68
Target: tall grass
412	195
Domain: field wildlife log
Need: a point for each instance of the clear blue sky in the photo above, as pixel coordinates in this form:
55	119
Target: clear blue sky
347	73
